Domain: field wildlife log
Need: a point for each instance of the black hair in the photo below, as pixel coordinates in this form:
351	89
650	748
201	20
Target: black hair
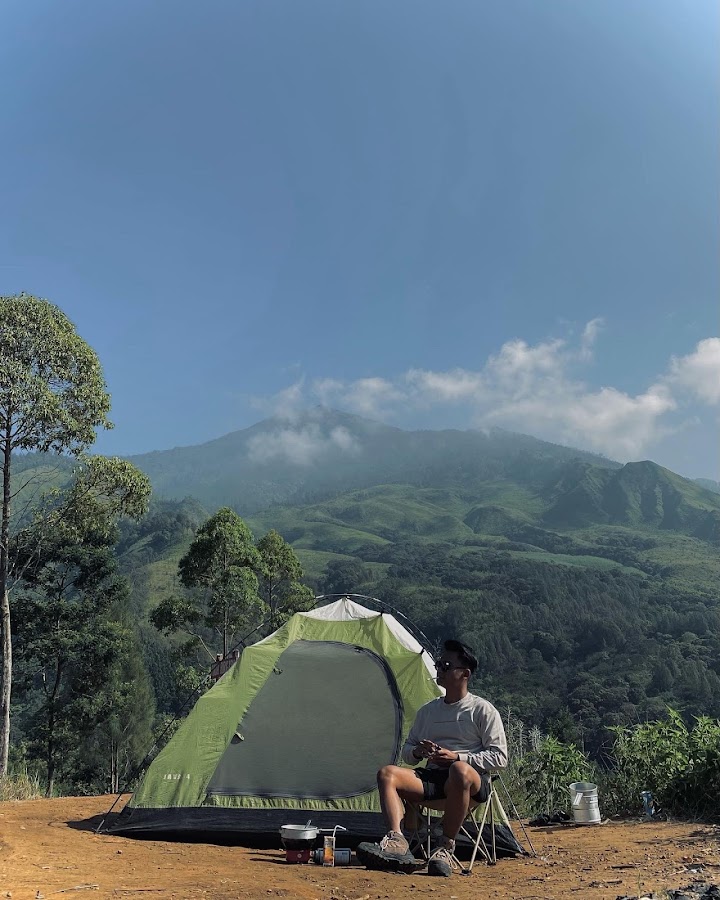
464	654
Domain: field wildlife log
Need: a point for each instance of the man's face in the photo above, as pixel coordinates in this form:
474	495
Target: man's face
450	671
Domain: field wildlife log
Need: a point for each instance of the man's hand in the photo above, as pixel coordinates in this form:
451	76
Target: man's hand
443	758
425	749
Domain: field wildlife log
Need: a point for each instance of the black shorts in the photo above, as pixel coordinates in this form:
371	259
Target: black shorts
434	784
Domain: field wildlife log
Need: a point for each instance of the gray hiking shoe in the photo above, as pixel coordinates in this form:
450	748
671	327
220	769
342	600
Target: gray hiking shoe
441	860
392	854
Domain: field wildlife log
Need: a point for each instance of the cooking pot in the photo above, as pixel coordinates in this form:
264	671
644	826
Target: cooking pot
298	835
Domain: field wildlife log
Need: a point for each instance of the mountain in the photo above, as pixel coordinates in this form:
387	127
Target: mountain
505	480
324	452
638	494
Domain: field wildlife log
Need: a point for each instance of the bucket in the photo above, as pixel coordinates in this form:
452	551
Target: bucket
584	799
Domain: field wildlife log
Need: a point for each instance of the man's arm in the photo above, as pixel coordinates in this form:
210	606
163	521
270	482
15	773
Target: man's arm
491	737
412	742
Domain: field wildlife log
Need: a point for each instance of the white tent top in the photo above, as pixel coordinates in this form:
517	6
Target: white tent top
346	610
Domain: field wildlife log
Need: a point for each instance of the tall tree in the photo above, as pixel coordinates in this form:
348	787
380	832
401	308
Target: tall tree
220	565
69	606
279	573
52	398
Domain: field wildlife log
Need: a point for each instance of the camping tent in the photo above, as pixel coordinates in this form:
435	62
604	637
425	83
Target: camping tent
295	730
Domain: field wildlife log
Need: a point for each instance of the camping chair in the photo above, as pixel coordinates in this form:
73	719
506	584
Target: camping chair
419	821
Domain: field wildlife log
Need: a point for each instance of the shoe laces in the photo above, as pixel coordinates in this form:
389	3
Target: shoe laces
393	839
442	854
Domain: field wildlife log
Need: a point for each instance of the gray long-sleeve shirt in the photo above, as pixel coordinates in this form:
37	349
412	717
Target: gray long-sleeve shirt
472	727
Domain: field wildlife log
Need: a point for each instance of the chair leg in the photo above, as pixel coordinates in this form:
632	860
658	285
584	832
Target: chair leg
417	818
532	851
488	818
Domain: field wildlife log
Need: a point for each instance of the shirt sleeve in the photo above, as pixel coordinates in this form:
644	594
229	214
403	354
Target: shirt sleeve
491	737
413	739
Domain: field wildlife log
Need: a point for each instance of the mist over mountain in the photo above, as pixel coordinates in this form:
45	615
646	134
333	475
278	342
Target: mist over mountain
709	484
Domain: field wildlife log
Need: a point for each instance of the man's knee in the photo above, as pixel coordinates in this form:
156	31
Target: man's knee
463	775
388	774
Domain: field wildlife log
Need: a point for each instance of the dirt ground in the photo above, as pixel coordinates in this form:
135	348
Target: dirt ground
48	848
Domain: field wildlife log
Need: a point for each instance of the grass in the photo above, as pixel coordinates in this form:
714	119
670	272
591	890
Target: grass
20	786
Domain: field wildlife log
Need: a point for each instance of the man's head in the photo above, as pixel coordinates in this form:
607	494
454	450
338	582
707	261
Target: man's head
455	664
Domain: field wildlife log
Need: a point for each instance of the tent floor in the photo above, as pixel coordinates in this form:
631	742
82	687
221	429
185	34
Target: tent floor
248	827
261	827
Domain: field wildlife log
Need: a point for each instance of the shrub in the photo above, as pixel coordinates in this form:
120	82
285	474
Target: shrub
547	773
679	765
20	786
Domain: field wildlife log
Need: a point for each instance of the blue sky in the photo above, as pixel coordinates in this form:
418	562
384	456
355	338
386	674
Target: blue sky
465	213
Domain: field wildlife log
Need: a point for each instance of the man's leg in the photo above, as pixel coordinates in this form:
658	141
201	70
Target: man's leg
463	781
396	784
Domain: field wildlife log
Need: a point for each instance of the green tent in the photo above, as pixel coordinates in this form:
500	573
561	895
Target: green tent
295	730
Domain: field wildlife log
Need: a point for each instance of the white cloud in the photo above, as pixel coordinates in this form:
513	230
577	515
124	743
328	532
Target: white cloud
372	397
303	446
699	372
286	403
442	387
589	336
528	387
607	421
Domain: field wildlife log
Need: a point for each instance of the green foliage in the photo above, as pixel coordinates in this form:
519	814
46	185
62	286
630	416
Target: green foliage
680	765
72	652
220	564
279	573
548	771
345	577
237	584
52	390
72	649
52	398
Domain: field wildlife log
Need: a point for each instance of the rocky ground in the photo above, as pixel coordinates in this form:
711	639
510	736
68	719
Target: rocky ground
48	849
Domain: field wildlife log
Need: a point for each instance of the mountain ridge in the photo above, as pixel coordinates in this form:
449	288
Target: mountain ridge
325	451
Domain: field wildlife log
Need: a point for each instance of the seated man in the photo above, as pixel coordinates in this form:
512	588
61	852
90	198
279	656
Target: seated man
462	738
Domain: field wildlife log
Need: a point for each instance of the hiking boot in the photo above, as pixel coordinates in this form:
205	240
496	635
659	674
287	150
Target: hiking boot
392	854
441	860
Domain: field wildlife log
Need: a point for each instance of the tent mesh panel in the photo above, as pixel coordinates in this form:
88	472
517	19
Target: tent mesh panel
327	718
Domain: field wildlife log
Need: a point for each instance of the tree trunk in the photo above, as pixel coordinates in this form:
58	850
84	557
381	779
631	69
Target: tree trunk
51	731
6	642
114	765
5	683
271	604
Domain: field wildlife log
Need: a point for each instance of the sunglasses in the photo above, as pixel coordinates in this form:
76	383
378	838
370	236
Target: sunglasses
444	665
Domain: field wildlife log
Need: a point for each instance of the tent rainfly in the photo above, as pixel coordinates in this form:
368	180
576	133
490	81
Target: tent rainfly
295	731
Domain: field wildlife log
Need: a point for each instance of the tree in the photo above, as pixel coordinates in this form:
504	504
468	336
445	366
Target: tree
279	573
220	564
52	398
344	576
68	609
